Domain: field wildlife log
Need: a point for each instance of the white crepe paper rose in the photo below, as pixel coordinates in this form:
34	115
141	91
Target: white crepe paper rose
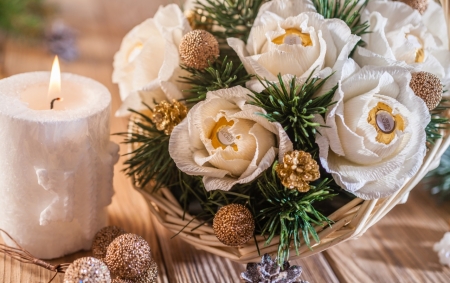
147	65
375	139
224	140
288	37
401	36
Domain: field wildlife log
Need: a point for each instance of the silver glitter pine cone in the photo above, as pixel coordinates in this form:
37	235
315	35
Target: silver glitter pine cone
268	271
234	225
128	256
103	238
87	269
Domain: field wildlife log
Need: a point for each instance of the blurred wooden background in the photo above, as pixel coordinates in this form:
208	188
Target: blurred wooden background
397	249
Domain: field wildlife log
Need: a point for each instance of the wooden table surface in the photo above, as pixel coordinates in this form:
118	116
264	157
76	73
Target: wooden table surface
397	249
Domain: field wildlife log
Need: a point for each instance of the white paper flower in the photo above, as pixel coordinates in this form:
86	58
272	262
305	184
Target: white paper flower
288	37
224	140
147	65
443	249
399	37
375	138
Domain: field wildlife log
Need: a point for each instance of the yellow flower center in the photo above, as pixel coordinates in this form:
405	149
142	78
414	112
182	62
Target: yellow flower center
385	123
420	52
221	136
293	36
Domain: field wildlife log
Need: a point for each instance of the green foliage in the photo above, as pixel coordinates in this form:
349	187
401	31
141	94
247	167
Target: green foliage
347	10
437	122
294	107
236	17
24	17
289	213
220	74
439	179
151	160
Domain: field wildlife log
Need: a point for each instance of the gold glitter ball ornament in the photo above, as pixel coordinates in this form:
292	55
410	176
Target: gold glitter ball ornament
87	269
167	115
197	47
128	256
419	5
234	225
148	277
103	238
428	87
297	170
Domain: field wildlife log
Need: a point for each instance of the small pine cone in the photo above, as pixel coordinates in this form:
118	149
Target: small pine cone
166	116
234	225
298	170
197	47
428	87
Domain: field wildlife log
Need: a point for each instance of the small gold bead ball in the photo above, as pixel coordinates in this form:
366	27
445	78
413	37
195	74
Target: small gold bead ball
128	256
87	269
419	5
103	238
234	225
197	47
428	87
148	277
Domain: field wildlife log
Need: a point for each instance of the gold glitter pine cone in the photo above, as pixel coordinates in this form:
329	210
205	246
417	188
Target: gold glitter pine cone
87	269
197	47
128	256
428	87
103	238
419	5
167	115
234	225
298	170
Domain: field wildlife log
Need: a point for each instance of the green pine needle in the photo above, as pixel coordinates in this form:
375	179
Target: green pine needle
219	75
438	122
289	213
151	161
235	17
348	11
294	106
439	179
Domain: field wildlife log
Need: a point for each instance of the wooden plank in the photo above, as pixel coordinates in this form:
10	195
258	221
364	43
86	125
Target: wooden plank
399	248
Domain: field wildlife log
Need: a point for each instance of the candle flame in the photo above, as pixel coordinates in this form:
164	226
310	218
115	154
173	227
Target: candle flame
54	89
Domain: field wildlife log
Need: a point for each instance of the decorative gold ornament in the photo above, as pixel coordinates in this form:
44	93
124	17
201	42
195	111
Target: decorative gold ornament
197	47
128	256
197	19
87	269
298	170
294	36
234	225
103	238
221	136
166	116
385	122
428	87
419	5
120	280
147	277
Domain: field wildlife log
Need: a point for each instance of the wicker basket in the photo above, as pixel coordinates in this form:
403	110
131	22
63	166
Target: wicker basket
351	220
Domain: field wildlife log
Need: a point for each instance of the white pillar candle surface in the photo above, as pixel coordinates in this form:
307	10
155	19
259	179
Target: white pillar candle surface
56	166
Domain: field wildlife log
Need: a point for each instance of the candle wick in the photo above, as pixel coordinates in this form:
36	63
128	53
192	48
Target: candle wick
53	102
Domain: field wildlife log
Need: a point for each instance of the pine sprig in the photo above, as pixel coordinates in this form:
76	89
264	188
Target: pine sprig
295	106
438	122
289	213
235	17
346	10
439	179
219	75
151	160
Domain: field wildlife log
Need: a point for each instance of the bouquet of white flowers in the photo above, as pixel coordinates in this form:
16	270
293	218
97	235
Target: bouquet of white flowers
271	126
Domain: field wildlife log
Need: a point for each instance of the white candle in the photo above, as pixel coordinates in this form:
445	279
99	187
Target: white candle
56	166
